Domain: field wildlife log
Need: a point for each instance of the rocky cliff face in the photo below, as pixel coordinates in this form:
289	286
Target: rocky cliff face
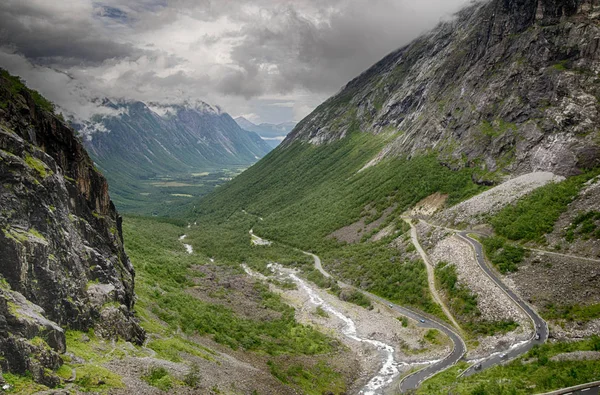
62	262
508	87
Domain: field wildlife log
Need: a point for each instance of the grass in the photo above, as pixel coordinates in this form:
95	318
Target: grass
535	215
534	372
165	273
22	384
505	255
432	336
304	192
382	270
38	166
571	313
586	225
17	86
171	349
160	378
94	378
321	313
496	128
317	380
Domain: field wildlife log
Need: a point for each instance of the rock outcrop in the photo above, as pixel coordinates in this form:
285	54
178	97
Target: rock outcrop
62	262
507	87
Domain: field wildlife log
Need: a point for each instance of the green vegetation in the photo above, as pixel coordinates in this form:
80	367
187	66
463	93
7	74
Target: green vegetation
585	225
321	313
432	336
305	192
160	378
171	349
535	215
535	372
192	377
404	321
22	384
17	86
94	378
320	379
462	300
505	255
166	195
169	308
356	297
463	304
563	65
380	269
38	166
163	276
572	313
496	128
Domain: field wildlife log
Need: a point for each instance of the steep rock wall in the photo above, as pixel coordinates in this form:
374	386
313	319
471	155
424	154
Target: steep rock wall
508	87
62	262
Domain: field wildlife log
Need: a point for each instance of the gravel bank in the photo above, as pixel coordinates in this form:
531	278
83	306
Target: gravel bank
489	202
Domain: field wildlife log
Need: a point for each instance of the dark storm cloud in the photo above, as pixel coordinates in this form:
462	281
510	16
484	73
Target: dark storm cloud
321	56
241	54
49	37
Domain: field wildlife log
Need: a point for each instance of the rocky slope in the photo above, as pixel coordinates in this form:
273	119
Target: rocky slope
62	262
508	87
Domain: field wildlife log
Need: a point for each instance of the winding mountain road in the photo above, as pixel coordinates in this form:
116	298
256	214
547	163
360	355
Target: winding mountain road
540	333
414	380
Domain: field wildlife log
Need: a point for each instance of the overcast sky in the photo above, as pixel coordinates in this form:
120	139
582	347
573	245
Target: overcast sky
268	60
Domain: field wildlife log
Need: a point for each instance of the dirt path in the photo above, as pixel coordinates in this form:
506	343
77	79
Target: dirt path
565	255
430	274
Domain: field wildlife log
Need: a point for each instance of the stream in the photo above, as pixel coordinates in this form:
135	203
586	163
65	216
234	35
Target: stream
188	248
390	369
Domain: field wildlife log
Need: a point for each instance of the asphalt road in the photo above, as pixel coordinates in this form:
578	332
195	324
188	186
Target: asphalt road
538	322
413	381
586	391
583	389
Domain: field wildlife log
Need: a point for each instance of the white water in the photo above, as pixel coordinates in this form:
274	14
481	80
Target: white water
388	371
259	241
513	347
188	247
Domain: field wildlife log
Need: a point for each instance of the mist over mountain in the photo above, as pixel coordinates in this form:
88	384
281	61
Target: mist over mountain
271	133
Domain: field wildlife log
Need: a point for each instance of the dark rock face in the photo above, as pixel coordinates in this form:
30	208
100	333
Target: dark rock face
61	250
508	87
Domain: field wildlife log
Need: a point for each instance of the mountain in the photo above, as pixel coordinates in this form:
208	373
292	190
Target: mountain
489	124
273	134
506	88
140	145
62	261
146	140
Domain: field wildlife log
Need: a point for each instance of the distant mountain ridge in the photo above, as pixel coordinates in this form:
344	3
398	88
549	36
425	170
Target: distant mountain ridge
149	139
274	134
142	141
